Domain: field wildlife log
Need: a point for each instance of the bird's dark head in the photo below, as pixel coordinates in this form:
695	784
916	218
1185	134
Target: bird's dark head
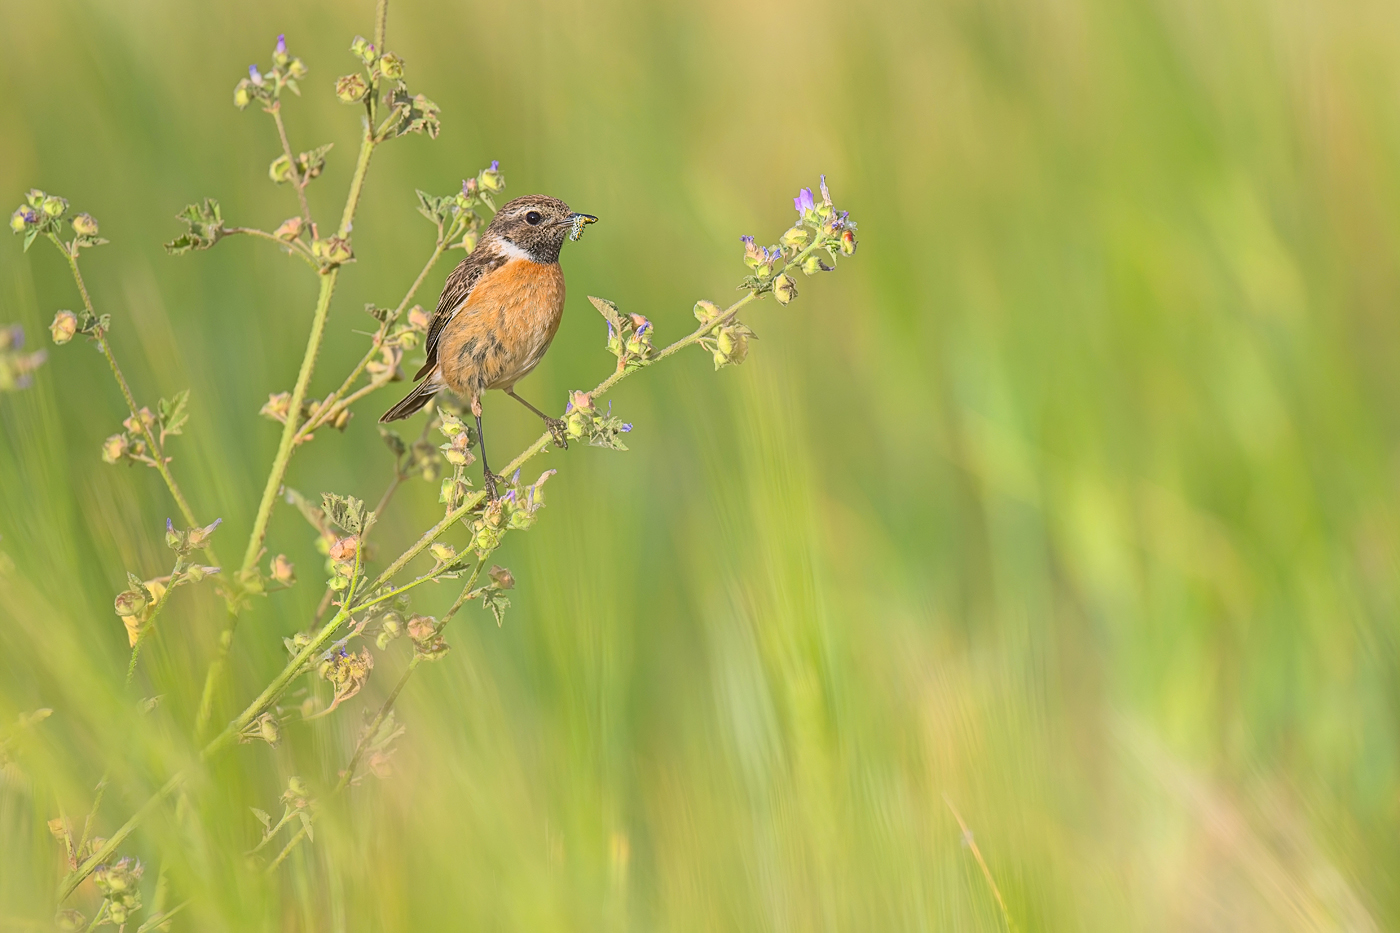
536	225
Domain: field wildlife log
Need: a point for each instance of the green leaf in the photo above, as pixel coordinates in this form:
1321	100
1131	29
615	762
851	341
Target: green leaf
609	312
496	600
264	818
346	512
173	413
206	223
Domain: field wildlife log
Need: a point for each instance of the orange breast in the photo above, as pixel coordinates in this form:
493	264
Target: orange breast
504	327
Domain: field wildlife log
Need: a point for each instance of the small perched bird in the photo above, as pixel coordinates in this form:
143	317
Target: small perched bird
498	312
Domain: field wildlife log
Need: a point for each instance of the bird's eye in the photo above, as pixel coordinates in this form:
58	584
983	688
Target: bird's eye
533	218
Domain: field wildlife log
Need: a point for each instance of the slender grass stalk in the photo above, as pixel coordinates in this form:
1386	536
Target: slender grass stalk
986	872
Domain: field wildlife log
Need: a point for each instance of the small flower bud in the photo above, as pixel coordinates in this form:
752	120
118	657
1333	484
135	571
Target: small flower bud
503	578
289	230
130	603
277	406
706	311
64	327
54	206
418	319
333	251
199	537
343	549
491	178
255	76
142	418
795	236
23	218
421	628
115	447
364	49
784	288
282	570
351	88
443	553
280	171
811	265
269	730
469	241
391	66
579	401
242	97
85	225
848	242
297	68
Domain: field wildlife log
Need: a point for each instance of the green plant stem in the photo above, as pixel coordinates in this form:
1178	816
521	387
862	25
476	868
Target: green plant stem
300	183
97	917
287	444
157	919
349	773
158	460
336	401
294	247
75	877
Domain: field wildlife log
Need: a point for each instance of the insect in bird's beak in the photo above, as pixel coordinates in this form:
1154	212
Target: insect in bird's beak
580	221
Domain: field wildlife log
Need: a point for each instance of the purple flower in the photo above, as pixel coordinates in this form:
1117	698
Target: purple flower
803	202
625	428
282	44
826	195
495	165
254	75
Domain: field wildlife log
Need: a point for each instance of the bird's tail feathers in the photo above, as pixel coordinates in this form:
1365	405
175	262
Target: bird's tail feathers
413	401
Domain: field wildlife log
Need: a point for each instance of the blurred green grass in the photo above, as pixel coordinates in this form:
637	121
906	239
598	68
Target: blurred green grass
1073	496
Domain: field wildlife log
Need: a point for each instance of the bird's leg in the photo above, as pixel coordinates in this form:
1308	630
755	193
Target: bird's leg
488	478
556	426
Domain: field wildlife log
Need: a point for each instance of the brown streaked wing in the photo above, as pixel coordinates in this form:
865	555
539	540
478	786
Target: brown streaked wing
455	291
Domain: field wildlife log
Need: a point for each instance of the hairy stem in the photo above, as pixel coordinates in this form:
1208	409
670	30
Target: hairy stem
298	182
295	247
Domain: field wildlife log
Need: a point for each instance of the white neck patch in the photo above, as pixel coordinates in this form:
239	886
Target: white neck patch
511	251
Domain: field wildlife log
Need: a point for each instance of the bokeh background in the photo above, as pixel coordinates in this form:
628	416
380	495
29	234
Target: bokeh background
1069	502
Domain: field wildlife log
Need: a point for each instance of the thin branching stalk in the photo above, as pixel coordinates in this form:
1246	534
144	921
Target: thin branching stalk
348	774
334	403
158	461
297	247
298	180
